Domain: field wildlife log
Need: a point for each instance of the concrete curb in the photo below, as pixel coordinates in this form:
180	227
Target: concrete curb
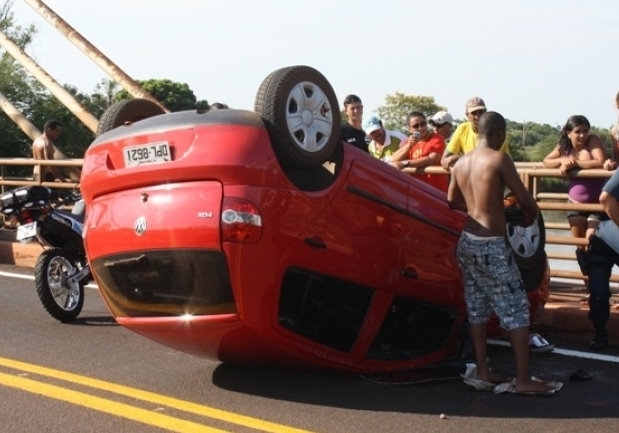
17	253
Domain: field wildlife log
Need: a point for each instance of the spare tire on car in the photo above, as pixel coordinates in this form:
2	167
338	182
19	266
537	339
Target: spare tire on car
527	242
299	109
125	112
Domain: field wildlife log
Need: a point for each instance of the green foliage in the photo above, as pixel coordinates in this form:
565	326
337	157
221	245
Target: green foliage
16	86
173	95
529	141
397	106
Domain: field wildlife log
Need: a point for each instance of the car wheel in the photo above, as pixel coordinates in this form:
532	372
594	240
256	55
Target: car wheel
528	243
127	111
299	109
533	276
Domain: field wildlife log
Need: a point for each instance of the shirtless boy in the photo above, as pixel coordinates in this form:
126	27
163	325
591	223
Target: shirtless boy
43	148
491	278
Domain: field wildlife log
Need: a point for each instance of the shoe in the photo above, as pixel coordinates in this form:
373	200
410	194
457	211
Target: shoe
598	344
600	341
539	344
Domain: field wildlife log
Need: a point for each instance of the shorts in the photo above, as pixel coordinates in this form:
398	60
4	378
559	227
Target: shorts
492	282
591	216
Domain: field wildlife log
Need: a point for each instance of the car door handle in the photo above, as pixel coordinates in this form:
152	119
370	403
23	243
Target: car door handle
315	242
409	272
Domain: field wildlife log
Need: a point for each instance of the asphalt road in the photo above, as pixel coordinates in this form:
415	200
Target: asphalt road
94	376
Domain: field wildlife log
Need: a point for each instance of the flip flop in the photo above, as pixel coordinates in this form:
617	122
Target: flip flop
479	385
538	344
469	377
510	387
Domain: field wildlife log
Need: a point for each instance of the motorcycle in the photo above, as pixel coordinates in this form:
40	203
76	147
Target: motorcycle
62	270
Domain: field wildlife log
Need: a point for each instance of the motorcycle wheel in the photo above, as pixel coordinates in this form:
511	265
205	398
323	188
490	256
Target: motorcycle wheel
62	302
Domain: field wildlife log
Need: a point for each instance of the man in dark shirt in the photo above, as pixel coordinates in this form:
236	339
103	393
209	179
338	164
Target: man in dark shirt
351	131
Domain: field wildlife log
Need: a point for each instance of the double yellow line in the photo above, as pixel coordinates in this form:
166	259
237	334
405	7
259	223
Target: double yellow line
127	411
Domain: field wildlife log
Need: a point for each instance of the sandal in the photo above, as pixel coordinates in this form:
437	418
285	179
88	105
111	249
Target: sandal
539	344
470	378
553	387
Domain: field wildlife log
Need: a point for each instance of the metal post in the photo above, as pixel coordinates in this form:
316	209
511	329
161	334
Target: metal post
48	81
92	52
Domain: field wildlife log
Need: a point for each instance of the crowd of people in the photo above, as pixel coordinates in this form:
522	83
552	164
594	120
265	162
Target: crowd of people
479	145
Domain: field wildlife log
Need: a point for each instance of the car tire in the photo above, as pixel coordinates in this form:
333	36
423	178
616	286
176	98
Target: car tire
300	111
127	111
533	276
528	243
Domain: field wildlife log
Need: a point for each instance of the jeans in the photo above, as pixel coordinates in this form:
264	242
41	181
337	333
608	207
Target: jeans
598	263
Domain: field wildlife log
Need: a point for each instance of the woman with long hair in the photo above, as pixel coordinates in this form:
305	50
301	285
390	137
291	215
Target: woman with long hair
578	149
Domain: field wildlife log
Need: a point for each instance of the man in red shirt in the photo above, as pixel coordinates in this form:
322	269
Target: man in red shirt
424	148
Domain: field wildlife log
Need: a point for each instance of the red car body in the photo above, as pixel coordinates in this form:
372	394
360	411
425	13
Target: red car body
220	250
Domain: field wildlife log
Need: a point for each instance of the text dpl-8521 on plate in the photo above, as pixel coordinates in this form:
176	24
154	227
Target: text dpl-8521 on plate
147	153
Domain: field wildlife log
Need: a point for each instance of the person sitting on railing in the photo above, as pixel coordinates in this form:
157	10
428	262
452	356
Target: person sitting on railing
602	253
577	149
43	148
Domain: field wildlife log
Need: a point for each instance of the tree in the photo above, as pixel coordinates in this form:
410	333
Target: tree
105	92
173	95
398	106
16	86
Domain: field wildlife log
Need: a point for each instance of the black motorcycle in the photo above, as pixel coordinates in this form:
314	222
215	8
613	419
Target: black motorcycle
62	270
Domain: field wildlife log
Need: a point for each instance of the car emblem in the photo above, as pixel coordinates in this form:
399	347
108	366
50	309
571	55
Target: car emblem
139	227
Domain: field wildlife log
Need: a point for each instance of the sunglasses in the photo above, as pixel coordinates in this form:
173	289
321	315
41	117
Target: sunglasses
419	125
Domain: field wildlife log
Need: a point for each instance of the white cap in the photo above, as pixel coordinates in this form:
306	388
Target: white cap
441	118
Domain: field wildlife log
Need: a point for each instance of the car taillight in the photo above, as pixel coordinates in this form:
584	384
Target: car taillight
25	216
240	221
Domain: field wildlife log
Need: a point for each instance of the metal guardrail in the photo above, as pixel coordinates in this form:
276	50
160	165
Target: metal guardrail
70	167
531	173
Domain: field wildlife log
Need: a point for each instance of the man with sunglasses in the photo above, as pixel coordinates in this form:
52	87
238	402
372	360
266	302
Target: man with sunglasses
423	148
464	139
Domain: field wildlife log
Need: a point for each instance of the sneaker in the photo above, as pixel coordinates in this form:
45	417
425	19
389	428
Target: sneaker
599	342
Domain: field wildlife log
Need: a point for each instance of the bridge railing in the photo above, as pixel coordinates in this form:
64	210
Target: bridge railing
557	228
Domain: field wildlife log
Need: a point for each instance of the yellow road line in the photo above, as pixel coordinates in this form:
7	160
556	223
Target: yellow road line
105	405
152	397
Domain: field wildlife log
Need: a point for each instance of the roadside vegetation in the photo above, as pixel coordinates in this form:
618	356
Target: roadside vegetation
529	141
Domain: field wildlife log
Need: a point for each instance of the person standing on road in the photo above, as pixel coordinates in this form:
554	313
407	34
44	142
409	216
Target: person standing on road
613	160
492	282
43	148
601	254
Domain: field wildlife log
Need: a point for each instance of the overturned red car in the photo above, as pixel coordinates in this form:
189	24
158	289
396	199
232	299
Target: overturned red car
259	237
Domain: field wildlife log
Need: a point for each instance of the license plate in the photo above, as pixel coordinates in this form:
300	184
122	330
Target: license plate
26	231
151	153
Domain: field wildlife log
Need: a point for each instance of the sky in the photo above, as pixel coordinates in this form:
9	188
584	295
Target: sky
531	60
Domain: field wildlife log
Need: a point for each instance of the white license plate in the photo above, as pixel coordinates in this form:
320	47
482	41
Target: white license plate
26	231
151	153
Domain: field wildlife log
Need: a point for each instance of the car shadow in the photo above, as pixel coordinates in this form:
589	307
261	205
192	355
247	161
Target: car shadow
595	398
93	321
